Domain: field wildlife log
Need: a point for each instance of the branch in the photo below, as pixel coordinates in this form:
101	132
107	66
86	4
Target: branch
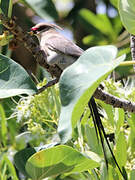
49	84
30	44
132	47
103	96
114	101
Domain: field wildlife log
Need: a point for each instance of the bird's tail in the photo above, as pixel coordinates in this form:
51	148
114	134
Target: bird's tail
100	132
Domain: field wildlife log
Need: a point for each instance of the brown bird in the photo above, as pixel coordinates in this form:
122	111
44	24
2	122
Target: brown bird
59	50
63	52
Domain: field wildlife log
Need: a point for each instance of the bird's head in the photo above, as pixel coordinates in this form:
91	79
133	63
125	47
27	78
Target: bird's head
43	27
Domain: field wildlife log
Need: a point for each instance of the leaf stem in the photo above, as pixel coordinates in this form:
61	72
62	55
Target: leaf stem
10	7
127	63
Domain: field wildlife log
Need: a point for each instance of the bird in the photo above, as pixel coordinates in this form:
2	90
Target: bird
63	52
59	50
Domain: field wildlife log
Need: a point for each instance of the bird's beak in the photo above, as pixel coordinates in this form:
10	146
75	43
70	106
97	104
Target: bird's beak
31	33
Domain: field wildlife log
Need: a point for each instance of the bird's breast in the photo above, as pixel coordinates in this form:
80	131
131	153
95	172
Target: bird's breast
54	56
62	60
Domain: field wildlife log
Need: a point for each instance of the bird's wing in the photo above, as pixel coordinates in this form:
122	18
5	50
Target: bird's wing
61	44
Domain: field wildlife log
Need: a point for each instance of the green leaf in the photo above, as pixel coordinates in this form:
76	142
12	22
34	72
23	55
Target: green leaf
3	125
109	111
58	160
92	140
114	3
96	40
21	158
103	171
121	149
10	7
119	118
79	81
4	4
132	175
97	21
112	173
131	138
14	80
44	8
127	14
11	168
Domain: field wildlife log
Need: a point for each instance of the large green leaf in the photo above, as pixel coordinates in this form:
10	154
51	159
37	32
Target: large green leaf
58	160
127	14
121	149
21	158
79	81
14	80
44	8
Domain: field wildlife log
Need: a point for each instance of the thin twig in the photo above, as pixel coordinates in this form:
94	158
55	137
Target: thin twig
122	43
123	36
49	84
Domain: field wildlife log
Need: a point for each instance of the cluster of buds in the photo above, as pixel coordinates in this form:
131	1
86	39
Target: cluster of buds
5	38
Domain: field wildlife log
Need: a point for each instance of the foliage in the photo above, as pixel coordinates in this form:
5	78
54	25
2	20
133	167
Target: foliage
33	127
76	87
127	12
12	84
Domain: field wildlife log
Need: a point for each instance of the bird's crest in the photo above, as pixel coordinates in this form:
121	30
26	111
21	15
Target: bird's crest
42	26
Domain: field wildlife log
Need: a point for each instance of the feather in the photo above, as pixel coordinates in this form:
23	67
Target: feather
100	129
57	42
